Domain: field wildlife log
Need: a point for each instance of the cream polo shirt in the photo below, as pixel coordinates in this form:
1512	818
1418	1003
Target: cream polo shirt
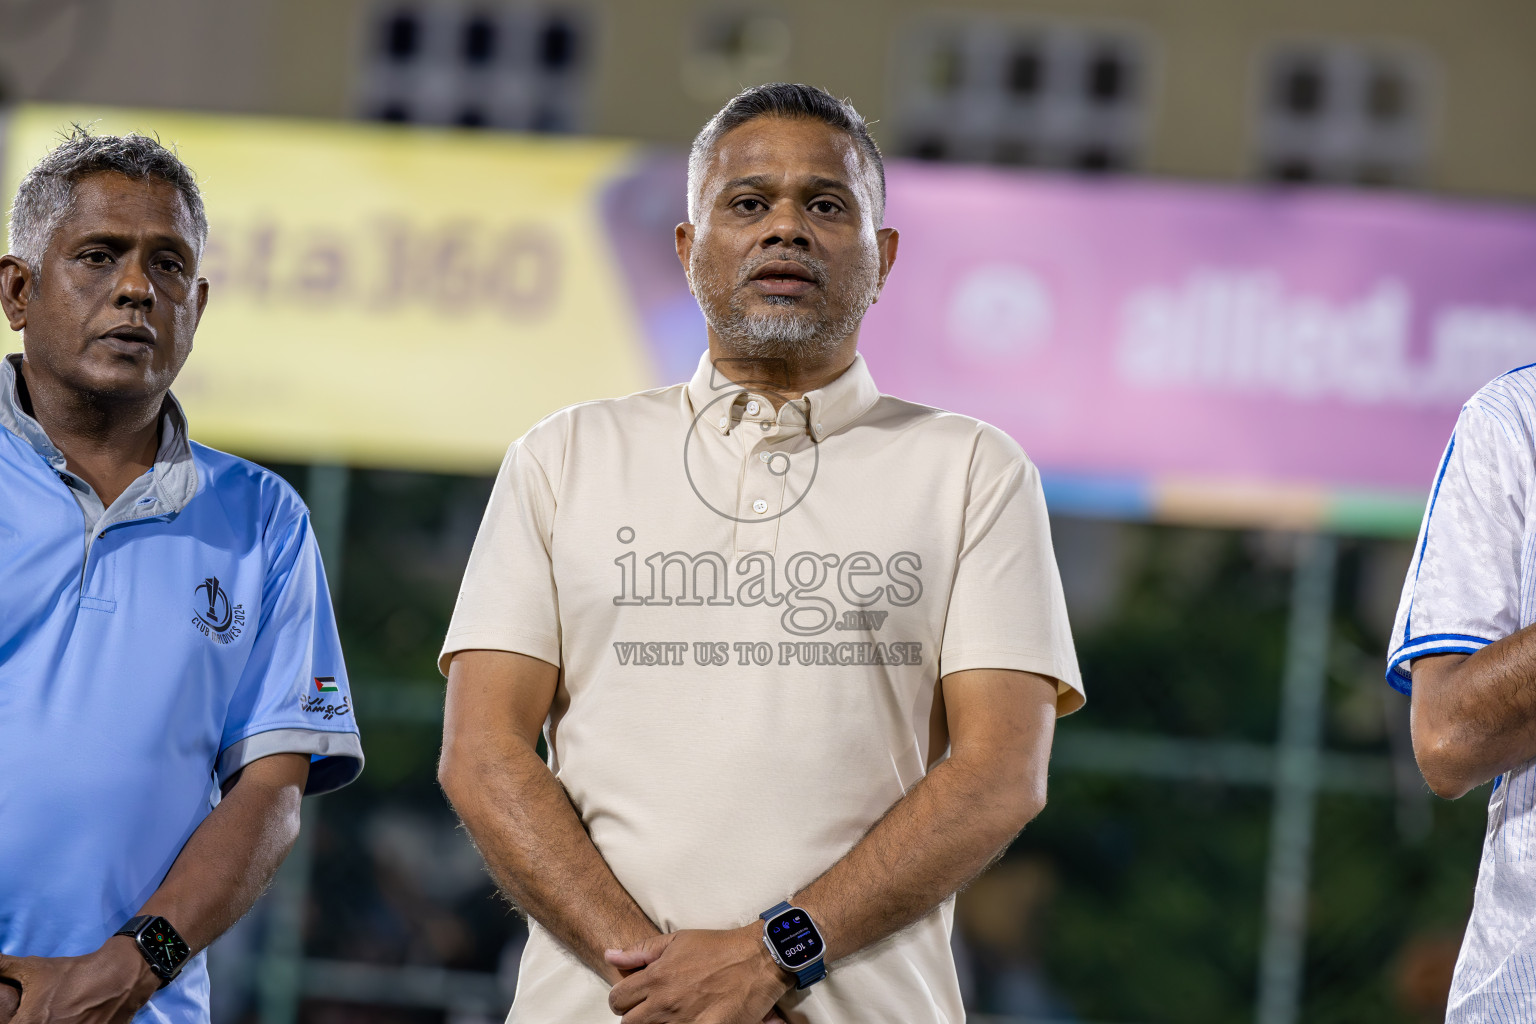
751	610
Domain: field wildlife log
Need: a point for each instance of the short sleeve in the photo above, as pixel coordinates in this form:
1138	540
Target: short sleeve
1006	607
294	696
1463	586
507	601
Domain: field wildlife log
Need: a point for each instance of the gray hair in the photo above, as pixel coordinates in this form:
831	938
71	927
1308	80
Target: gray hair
782	99
48	191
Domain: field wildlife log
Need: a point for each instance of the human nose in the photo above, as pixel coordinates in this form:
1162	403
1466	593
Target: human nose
785	226
134	290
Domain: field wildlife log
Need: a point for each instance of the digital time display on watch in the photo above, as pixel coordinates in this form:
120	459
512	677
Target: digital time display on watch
794	938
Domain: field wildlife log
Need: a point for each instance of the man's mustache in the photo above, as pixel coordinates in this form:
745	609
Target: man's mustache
816	268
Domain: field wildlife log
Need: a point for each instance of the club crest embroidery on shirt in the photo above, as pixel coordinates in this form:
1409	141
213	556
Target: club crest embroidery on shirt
213	615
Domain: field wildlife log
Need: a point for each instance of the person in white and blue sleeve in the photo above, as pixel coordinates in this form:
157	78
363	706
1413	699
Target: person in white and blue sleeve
1464	647
171	681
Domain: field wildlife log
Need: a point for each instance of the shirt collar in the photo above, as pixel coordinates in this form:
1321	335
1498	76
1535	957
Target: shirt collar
825	411
173	480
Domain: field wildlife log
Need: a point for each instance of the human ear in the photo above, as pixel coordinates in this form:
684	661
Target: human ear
685	251
202	300
886	242
16	280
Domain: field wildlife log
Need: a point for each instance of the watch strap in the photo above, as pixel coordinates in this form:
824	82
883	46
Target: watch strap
811	975
773	912
133	925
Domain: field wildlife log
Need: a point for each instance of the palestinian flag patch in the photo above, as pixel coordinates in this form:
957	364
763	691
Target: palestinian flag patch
326	684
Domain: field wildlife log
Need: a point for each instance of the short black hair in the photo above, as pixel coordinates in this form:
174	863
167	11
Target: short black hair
784	99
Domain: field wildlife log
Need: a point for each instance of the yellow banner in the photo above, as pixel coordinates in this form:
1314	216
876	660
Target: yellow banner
383	295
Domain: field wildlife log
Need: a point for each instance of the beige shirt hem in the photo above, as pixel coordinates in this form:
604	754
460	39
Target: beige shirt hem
1069	691
542	647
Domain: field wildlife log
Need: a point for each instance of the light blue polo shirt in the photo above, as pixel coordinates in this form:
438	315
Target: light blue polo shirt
147	652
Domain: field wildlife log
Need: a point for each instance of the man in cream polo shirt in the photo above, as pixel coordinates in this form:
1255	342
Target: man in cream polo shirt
797	648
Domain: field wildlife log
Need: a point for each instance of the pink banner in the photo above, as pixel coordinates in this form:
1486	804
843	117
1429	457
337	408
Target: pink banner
1135	336
1148	330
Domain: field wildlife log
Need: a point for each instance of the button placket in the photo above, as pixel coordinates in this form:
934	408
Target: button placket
760	499
97	592
762	490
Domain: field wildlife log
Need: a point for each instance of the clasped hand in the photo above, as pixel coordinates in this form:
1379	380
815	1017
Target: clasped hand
698	977
105	987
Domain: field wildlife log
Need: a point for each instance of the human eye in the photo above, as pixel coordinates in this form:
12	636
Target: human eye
750	204
96	257
170	264
826	207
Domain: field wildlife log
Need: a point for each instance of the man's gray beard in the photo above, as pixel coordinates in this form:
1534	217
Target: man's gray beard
796	336
789	335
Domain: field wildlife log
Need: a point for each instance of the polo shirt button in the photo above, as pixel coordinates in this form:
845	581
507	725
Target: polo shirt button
759	506
723	421
752	408
765	424
765	456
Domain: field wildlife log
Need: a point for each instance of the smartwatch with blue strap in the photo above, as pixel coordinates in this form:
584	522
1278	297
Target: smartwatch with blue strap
794	943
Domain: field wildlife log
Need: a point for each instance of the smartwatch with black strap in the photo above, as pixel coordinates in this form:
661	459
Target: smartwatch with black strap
162	946
794	943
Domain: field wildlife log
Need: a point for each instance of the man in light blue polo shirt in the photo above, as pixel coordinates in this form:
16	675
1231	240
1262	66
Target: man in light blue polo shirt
171	681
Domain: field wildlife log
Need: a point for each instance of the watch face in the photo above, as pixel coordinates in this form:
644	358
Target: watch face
794	938
164	948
